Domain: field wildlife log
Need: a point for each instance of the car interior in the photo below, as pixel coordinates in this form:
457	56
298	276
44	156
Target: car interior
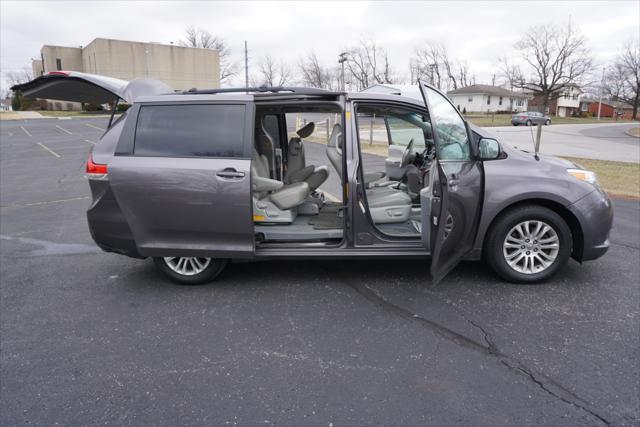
397	152
293	200
298	201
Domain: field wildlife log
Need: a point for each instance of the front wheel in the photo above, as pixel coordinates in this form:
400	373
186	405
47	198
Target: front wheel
190	270
528	244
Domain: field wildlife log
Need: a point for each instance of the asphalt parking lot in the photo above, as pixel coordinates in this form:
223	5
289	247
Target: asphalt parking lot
95	338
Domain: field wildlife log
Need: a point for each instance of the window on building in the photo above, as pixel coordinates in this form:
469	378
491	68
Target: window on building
585	106
58	64
500	101
470	99
488	99
190	131
519	102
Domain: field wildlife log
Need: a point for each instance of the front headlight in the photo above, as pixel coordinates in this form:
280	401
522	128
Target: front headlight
584	175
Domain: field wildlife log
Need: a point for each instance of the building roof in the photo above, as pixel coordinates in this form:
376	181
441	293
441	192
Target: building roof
486	89
614	104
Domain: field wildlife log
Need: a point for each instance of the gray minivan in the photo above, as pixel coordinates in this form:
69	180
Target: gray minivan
197	178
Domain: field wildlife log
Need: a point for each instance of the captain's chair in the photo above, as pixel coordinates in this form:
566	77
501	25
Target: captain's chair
273	201
297	170
386	204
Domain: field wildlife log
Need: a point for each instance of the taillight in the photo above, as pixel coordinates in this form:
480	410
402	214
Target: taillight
96	171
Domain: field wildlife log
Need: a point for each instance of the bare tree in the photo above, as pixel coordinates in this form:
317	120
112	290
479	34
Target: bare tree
17	77
433	63
622	81
197	37
313	74
554	59
368	63
273	73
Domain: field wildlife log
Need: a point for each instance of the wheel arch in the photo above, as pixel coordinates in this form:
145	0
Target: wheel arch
577	234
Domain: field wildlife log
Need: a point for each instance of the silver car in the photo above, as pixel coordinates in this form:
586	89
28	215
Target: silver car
198	178
529	118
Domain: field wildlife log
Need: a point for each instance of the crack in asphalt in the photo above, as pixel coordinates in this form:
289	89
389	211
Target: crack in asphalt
489	349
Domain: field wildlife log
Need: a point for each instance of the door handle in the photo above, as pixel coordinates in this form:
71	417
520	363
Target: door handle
230	173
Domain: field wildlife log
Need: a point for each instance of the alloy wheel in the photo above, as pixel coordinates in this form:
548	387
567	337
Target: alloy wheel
187	266
531	247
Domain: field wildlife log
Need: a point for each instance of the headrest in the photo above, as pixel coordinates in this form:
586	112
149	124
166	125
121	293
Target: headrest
306	130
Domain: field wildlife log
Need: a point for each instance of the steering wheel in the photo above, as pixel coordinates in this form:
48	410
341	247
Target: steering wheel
406	154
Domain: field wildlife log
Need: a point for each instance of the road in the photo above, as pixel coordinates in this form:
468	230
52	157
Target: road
96	338
590	141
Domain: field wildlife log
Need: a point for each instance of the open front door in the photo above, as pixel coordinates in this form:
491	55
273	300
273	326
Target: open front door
452	201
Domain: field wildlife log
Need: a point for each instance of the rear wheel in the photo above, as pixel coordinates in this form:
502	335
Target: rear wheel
190	270
528	122
528	244
547	122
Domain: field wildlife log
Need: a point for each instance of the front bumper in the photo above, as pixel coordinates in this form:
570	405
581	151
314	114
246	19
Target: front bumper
595	214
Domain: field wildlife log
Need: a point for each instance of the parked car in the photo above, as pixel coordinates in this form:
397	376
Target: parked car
529	118
198	178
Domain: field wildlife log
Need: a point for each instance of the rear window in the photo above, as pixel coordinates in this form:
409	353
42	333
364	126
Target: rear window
190	131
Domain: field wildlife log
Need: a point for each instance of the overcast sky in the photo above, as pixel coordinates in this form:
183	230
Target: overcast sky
477	32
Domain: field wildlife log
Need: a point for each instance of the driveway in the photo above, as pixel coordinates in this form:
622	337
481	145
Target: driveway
590	141
95	338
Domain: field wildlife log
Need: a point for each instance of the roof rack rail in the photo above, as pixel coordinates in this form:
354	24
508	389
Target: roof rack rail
262	90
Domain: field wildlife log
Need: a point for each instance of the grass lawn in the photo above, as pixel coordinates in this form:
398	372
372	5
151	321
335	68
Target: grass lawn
617	178
487	120
634	131
9	115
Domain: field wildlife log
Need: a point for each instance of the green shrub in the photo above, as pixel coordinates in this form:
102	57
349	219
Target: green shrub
123	107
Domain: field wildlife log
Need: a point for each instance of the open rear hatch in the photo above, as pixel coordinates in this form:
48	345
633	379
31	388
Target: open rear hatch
75	86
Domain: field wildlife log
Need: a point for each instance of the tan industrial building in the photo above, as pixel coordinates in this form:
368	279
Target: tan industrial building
179	67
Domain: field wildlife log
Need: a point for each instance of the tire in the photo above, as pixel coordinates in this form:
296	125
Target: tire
197	271
547	122
543	259
528	123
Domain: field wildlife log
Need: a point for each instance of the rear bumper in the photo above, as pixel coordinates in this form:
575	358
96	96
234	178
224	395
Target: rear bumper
595	214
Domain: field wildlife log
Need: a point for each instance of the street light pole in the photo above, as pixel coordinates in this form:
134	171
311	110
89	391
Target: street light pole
601	90
246	65
342	59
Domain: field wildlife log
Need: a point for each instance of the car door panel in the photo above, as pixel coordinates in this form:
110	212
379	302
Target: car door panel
182	206
455	195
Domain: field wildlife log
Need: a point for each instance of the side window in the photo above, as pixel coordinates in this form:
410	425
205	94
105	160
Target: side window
453	141
271	126
190	131
403	130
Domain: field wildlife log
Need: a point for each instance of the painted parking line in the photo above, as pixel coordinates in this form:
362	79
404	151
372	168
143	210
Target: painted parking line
63	129
25	131
93	126
49	149
89	141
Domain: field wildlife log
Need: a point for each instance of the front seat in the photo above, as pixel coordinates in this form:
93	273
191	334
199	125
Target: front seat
297	170
273	201
334	152
386	204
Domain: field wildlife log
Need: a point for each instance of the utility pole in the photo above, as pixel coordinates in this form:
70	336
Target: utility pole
601	90
246	65
342	59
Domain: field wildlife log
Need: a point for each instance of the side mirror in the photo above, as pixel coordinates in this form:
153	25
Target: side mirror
489	149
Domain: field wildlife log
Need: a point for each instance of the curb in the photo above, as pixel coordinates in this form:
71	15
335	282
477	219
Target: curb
630	134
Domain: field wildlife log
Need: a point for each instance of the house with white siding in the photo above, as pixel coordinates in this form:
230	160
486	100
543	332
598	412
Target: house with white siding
487	99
